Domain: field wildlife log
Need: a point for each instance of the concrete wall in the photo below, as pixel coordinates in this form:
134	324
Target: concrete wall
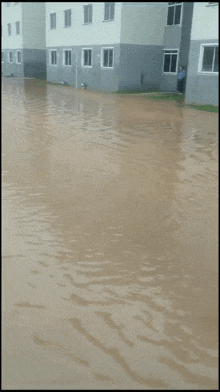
99	32
143	24
201	88
140	67
34	63
33	19
12	68
11	14
205	21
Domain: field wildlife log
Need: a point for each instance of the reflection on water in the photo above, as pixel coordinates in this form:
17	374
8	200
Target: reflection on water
109	241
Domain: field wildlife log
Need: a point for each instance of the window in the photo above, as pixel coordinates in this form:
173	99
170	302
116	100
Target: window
17	27
107	58
170	61
2	56
174	13
9	28
53	57
10	57
18	57
67	18
109	11
67	57
88	13
87	57
53	20
210	55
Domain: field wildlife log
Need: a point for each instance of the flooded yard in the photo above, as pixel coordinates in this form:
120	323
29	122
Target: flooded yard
110	241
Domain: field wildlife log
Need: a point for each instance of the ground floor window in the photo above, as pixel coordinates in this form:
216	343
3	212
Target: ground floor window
209	54
53	57
18	57
2	56
67	57
107	58
10	57
87	57
170	61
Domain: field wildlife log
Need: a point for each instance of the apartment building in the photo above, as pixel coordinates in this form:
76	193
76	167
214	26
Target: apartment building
176	42
23	39
203	72
105	46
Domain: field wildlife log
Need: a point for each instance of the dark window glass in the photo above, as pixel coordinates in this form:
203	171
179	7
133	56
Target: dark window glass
86	19
173	63
110	58
85	57
170	15
17	26
112	11
105	62
54	57
216	60
10	57
208	58
53	20
90	13
19	57
106	17
177	14
67	21
167	59
90	57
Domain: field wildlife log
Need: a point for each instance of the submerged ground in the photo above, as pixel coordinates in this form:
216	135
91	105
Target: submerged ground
110	241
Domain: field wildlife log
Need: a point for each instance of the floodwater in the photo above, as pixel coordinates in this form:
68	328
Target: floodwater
110	241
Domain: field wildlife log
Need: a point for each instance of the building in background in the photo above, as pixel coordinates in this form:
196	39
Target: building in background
176	42
105	46
23	39
202	82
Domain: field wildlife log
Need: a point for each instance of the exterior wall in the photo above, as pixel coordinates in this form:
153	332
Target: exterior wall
202	87
95	77
33	20
11	14
99	32
140	67
34	61
178	37
12	68
143	23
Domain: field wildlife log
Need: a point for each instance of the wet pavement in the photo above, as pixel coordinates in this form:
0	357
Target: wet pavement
110	241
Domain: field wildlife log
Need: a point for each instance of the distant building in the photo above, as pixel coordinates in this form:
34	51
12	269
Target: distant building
105	46
202	82
23	39
176	42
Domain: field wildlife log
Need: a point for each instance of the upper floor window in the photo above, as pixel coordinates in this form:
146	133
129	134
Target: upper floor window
67	57
9	28
88	13
107	58
87	57
109	11
170	61
53	20
67	18
174	13
17	27
210	55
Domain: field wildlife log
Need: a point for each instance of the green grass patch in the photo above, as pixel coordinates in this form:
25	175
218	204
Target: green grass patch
167	97
207	108
136	92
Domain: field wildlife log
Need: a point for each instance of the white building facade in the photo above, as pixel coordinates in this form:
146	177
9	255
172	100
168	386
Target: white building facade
23	39
202	81
106	46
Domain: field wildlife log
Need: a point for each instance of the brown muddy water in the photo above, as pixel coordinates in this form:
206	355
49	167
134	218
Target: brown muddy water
110	241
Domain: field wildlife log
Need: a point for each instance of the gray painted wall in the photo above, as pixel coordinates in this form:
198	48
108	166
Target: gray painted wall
16	69
185	34
34	63
200	89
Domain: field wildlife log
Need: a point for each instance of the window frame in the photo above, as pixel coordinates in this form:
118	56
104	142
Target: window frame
19	24
84	6
16	58
201	56
177	61
82	58
108	20
9	57
53	13
69	9
181	14
9	24
67	50
50	59
102	57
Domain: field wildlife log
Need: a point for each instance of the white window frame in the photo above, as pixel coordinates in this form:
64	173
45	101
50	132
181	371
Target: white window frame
102	57
181	15
69	9
65	50
10	51
177	61
202	46
86	5
50	63
53	28
17	21
16	59
109	20
82	58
